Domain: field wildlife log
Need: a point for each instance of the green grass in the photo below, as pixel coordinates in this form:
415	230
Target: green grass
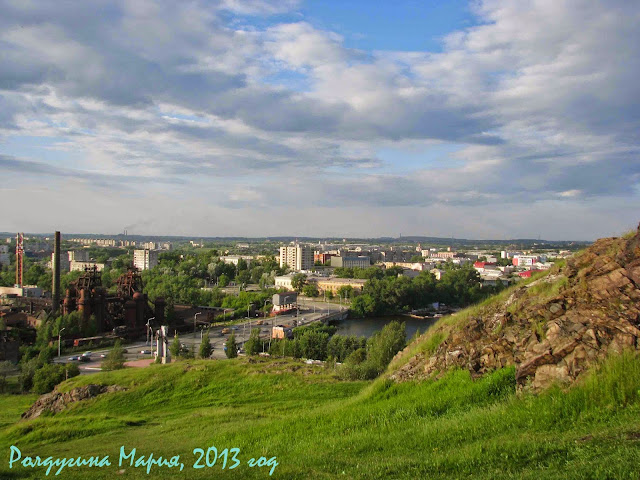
320	428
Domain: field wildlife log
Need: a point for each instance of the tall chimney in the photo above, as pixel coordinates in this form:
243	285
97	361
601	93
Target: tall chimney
55	283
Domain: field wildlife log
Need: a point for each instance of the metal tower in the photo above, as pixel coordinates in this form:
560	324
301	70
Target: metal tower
19	258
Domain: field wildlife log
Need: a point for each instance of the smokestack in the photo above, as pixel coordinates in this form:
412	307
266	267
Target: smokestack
55	282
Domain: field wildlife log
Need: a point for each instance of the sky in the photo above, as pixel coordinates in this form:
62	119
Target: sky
351	118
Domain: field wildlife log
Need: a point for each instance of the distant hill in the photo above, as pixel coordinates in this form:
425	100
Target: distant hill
552	329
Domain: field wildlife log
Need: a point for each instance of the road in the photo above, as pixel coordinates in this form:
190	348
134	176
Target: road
310	311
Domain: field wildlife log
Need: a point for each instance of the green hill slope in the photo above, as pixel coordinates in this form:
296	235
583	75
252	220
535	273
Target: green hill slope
317	427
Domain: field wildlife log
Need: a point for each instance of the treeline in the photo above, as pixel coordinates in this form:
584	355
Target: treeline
37	372
459	286
361	359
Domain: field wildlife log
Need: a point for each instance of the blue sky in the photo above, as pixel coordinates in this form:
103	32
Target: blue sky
293	117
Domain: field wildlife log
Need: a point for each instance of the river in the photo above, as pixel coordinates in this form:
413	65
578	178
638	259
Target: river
368	326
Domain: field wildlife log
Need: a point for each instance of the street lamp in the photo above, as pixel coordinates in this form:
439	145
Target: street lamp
224	314
148	330
195	319
59	336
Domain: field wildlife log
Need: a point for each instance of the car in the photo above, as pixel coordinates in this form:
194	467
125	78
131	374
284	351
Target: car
145	352
87	354
234	328
74	358
82	358
103	355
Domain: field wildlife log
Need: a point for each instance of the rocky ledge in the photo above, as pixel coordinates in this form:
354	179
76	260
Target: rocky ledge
553	329
55	401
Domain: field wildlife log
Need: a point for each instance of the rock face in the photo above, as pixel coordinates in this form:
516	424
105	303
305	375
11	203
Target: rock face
55	401
553	329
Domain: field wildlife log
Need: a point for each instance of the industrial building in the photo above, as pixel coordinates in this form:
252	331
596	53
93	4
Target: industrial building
361	261
82	266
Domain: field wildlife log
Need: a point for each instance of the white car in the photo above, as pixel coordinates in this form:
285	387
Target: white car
145	352
87	354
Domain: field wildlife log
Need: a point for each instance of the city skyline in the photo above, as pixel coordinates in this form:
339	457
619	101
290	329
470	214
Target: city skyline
481	120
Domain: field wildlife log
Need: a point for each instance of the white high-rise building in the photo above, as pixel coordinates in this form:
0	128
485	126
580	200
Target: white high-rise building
145	259
297	257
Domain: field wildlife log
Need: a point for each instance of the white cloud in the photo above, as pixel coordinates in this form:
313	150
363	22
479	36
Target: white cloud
543	97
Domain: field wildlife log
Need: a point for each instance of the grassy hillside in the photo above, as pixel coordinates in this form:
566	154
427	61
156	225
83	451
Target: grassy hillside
318	427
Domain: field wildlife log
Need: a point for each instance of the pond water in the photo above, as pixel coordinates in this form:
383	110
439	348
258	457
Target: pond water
368	326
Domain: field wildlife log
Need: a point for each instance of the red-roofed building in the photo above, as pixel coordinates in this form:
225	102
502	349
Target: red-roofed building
527	273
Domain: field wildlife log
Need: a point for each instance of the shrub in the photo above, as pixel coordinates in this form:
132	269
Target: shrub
47	377
115	358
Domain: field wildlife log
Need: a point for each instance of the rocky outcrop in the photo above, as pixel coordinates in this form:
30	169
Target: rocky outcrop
553	329
55	401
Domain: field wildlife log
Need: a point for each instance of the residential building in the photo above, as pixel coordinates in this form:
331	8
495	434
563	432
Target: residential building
297	257
321	257
410	265
447	254
334	283
65	264
437	273
234	259
4	255
145	259
324	284
78	255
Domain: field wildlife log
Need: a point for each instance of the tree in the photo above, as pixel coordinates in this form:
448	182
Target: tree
298	281
253	346
174	349
205	346
6	368
313	344
232	347
115	358
383	345
244	276
310	290
345	291
223	280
